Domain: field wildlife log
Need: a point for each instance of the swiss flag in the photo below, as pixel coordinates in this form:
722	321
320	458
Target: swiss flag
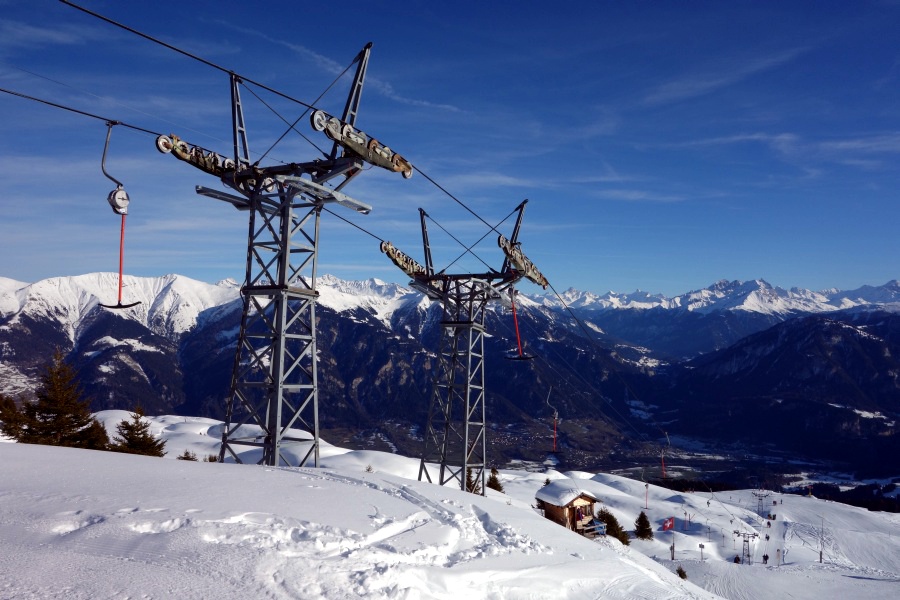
669	524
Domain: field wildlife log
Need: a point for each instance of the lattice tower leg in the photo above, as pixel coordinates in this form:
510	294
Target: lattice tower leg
455	434
274	389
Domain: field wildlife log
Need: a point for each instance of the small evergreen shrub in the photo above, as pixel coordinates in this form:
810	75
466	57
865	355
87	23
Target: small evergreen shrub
133	437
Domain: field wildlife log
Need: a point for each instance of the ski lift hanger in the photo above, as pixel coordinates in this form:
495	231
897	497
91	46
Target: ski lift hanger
118	201
521	355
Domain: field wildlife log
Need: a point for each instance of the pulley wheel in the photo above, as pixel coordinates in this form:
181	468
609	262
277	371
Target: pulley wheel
318	120
164	144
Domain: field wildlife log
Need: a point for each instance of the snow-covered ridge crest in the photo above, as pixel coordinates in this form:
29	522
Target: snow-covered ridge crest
756	296
172	304
611	300
381	298
169	305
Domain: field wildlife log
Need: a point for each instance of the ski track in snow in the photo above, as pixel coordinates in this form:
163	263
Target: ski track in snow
301	545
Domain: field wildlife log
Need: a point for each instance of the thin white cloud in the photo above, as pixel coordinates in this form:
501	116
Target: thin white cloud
489	179
695	85
605	173
884	143
387	90
15	34
637	196
867	165
331	66
784	143
797	151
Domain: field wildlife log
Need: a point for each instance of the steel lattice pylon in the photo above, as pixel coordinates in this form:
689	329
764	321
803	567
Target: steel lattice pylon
274	387
274	383
455	433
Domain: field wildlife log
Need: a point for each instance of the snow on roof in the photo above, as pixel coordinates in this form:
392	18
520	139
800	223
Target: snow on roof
561	492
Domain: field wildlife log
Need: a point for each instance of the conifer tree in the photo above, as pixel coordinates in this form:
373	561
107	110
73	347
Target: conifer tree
95	436
133	437
60	416
642	528
493	481
613	528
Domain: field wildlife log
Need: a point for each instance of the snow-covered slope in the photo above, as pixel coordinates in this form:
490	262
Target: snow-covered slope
84	524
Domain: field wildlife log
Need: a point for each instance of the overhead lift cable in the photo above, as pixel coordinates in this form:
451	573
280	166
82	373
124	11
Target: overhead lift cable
108	99
78	111
187	54
455	199
468	249
292	126
241	78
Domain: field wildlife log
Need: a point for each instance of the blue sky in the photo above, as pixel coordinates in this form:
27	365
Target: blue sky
662	145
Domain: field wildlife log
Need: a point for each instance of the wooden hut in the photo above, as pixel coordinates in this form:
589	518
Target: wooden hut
564	503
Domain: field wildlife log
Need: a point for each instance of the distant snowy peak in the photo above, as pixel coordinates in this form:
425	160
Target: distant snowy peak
611	300
228	283
888	293
169	305
752	296
381	298
757	296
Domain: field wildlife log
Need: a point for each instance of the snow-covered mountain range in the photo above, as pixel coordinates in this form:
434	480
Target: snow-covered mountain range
751	296
172	305
640	360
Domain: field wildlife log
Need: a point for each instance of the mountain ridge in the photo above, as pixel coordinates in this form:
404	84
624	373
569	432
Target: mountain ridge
79	294
752	296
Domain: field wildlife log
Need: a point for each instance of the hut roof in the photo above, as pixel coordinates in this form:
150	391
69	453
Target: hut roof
561	492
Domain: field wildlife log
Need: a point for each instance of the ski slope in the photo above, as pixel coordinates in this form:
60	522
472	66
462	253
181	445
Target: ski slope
85	524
